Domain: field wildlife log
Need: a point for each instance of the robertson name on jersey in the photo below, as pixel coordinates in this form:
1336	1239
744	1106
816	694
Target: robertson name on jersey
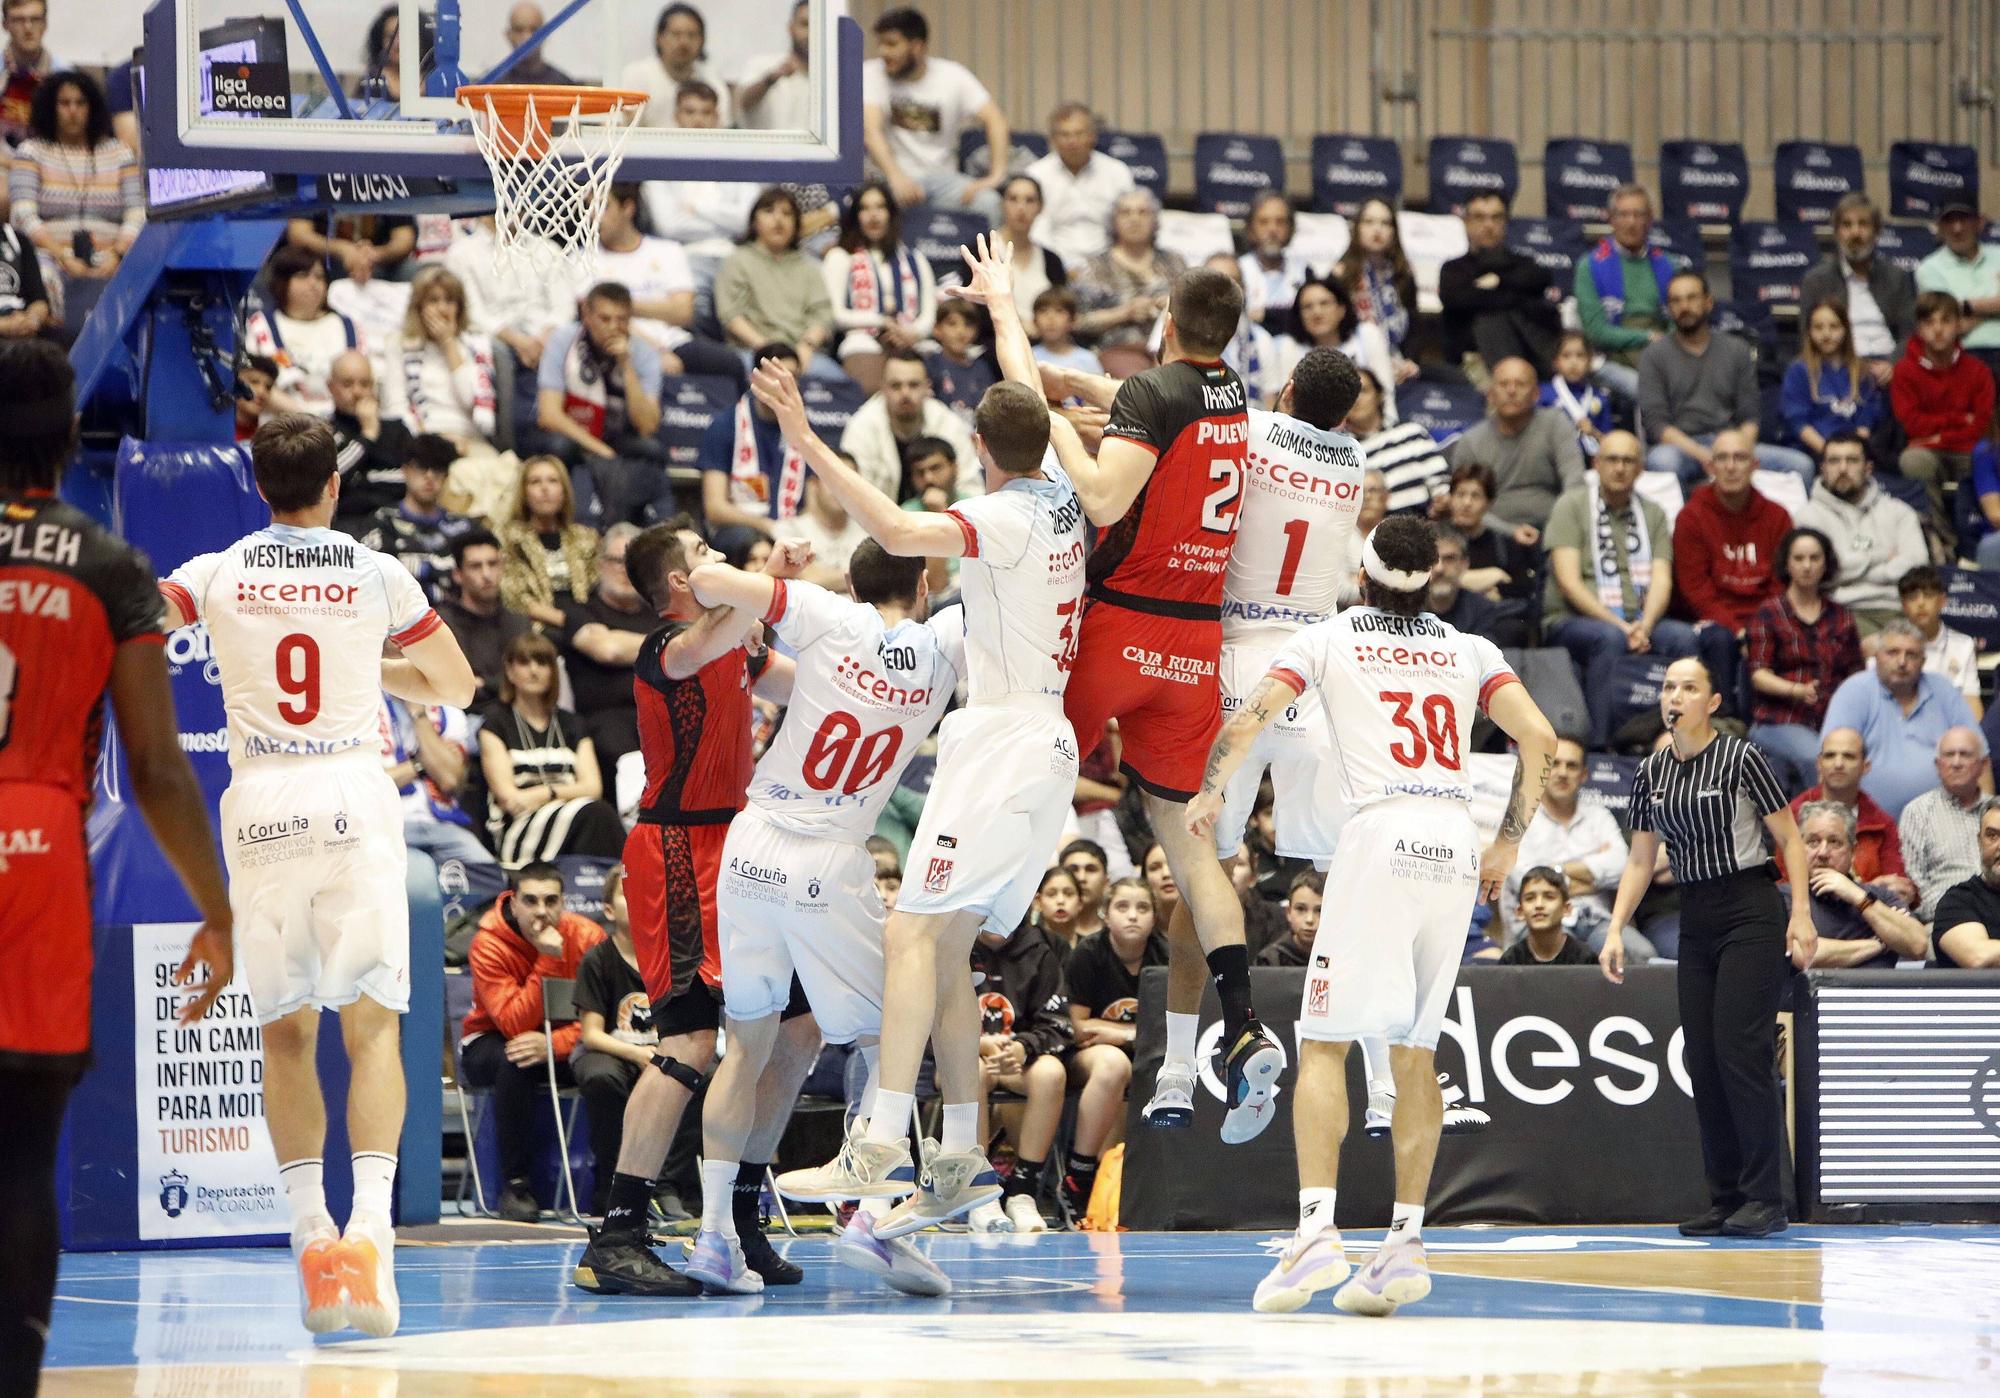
1296	545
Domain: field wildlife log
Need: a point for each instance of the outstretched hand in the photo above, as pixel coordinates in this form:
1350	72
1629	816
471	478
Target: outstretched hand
213	947
777	390
992	271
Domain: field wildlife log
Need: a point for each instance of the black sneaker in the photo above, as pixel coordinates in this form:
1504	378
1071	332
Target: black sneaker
1250	1077
1756	1221
620	1264
517	1203
1075	1199
763	1259
1707	1224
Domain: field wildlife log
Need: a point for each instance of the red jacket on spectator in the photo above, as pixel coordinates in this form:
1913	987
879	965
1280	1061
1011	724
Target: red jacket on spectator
1952	401
507	974
1878	849
1725	561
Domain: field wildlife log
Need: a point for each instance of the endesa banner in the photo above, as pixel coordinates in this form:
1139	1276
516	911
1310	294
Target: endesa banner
1592	1116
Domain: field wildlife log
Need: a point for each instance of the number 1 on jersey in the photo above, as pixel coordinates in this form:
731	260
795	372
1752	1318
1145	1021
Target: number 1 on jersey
1295	549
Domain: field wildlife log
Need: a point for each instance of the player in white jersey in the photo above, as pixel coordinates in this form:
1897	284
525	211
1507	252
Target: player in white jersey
1006	772
796	895
1400	689
313	834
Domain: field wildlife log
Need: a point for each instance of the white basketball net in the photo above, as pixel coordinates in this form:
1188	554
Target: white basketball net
551	181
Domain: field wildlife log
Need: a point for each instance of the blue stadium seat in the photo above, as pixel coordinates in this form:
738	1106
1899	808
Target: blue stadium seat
1910	491
1971	600
1232	167
1145	152
1808	178
1028	145
1579	175
1923	174
937	233
1348	170
1680	240
1557	243
1466	165
1767	262
1610	778
689	404
1905	245
1703	181
1444	409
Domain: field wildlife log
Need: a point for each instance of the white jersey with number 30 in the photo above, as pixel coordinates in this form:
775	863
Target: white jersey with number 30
1295	540
1400	694
296	619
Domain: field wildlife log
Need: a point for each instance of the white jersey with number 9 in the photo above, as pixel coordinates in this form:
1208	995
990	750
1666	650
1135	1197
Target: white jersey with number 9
1295	541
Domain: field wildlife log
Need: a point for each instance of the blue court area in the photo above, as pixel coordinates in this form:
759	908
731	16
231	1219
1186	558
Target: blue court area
1851	1311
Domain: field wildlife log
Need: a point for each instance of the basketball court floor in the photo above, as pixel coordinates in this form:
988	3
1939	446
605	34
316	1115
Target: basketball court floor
1616	1311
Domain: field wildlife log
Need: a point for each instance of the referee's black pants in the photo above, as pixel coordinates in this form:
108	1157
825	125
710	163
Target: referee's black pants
1732	979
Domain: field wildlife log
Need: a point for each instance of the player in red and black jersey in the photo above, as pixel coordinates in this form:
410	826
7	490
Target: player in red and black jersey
1170	474
80	619
693	680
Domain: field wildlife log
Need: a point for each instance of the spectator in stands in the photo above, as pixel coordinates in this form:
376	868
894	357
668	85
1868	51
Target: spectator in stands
524	21
382	53
1100	787
1621	291
1323	317
600	639
1102	982
1901	712
700	215
519	316
912	109
544	789
1966	931
904	410
1374	502
616	1034
1943	397
73	185
679	57
657	273
1498	303
1827	389
255	377
549	559
767	290
1939	830
1124	289
833	534
525	938
883	294
1079	185
427	751
1878	296
1086	862
24	299
474	612
1578	837
418	530
1542	906
1379	283
598	405
1860	924
960	371
1303	901
1696	383
1876	536
1799	646
1024	1035
1055	333
1842	764
1611	558
1967	270
1057	903
1406	454
25	66
301	333
369	445
1532	451
1474	612
1948	653
1037	268
1499	564
750	479
776	91
1273	270
1571	390
1726	544
1166	893
440	383
1253	351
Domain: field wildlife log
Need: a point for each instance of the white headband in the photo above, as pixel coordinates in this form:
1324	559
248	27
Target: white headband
1397	579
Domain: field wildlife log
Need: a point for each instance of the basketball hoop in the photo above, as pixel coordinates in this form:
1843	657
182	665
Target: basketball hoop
554	151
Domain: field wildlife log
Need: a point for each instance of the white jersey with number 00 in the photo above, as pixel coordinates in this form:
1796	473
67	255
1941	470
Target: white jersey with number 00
296	619
865	697
1295	540
1022	583
1400	694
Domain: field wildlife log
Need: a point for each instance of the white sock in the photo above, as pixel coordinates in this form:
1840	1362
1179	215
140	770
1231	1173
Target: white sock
889	1123
961	1127
1375	1059
1182	1031
871	1055
1406	1224
1315	1211
718	1191
374	1180
877	1208
305	1190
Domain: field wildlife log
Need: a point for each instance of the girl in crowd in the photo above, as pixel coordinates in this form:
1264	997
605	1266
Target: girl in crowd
1323	316
1378	281
302	334
74	187
544	793
1036	269
1057	903
1827	389
546	557
1799	646
883	294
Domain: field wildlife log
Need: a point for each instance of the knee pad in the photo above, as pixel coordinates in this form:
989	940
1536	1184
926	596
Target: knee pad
689	1078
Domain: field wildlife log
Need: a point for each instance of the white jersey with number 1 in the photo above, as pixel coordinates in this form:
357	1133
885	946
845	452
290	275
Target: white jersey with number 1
1295	540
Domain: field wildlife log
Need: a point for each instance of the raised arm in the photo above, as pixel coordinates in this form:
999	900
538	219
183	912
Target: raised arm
1232	746
721	629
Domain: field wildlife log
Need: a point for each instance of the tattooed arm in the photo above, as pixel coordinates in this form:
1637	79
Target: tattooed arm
1232	745
1518	716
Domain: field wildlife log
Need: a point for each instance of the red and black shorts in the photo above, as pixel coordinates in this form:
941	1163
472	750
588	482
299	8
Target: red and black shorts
44	924
1157	676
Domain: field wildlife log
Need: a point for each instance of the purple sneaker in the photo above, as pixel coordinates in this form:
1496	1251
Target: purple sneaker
718	1265
1397	1275
1307	1266
895	1260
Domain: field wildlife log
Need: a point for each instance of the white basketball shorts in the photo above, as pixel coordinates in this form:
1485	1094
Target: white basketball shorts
1399	903
789	903
1006	774
1297	750
316	864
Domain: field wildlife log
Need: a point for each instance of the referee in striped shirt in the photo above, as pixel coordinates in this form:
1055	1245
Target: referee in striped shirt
1712	798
